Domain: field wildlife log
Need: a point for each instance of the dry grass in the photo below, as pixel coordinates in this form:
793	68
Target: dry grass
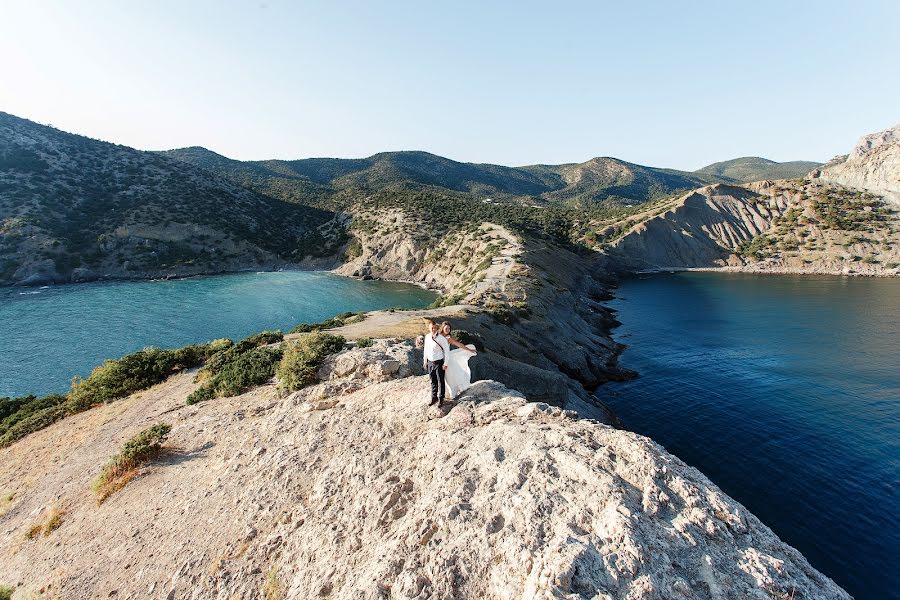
273	588
125	466
6	502
48	525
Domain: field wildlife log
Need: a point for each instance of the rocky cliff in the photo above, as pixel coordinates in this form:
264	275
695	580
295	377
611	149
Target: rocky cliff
782	226
353	488
535	305
873	165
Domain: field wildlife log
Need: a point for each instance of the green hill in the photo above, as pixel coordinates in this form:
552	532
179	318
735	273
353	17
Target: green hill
76	208
603	181
753	168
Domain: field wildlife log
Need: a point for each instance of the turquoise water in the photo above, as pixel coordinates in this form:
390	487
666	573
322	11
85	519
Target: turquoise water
48	335
785	391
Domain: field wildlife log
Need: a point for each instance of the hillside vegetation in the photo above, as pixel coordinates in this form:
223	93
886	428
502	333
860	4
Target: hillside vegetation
75	208
748	169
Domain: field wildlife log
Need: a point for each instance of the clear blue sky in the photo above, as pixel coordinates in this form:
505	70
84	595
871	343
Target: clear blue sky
659	83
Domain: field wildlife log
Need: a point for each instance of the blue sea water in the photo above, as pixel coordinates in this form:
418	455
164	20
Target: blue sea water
785	391
48	335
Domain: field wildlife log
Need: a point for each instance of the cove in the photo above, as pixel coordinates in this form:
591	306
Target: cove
48	335
784	391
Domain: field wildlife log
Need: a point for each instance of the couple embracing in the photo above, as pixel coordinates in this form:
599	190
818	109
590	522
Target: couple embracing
447	369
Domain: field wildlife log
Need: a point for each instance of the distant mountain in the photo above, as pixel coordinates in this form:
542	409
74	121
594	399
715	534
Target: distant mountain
748	169
597	181
75	208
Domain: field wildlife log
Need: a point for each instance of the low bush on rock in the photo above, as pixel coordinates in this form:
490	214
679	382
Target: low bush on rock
364	342
116	379
46	526
237	368
303	357
337	321
6	592
21	416
230	352
122	467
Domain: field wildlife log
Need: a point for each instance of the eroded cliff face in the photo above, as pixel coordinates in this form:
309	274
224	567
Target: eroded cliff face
354	488
784	226
873	165
700	229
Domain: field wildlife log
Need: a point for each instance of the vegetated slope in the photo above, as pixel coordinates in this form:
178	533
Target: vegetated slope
782	226
748	169
872	165
353	488
601	181
74	208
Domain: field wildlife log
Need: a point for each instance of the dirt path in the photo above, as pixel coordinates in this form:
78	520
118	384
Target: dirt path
497	274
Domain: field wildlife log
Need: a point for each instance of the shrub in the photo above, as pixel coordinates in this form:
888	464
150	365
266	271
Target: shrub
15	410
336	321
364	342
49	525
33	422
231	351
303	357
116	379
6	592
238	374
122	467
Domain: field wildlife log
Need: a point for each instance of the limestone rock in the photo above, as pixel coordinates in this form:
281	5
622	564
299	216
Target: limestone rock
368	495
873	165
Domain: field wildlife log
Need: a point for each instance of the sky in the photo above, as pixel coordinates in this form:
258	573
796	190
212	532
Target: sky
667	84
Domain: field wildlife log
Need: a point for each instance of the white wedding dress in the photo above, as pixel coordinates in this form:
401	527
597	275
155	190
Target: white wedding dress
458	374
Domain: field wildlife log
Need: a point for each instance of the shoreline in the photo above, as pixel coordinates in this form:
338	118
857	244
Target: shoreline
749	271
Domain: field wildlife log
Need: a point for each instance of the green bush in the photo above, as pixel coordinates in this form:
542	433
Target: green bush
230	351
33	422
140	449
238	374
303	357
336	321
364	342
116	379
6	592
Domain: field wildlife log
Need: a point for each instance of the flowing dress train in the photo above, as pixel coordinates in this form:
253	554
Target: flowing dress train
458	376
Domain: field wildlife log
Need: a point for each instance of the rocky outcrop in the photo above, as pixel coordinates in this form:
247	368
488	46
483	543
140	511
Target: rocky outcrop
536	305
872	165
467	264
700	229
364	492
765	227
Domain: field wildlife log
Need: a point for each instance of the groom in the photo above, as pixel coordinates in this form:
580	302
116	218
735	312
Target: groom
437	349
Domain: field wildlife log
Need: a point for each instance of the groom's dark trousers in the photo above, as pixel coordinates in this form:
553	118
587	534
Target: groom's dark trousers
436	373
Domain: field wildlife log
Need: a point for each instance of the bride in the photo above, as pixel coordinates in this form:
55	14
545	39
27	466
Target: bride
458	375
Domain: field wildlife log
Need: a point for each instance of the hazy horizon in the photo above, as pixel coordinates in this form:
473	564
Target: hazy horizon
660	85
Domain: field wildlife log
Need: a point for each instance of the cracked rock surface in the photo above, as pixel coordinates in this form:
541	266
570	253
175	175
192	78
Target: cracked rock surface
374	495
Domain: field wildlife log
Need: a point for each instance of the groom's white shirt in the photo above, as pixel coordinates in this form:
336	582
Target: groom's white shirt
436	347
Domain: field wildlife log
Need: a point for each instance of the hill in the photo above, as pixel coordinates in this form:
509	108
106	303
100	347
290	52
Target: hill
599	181
74	208
748	169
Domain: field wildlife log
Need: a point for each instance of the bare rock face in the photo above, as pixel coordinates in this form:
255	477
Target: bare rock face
372	496
700	229
873	165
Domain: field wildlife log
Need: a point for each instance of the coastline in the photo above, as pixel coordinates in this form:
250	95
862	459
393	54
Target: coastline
768	271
